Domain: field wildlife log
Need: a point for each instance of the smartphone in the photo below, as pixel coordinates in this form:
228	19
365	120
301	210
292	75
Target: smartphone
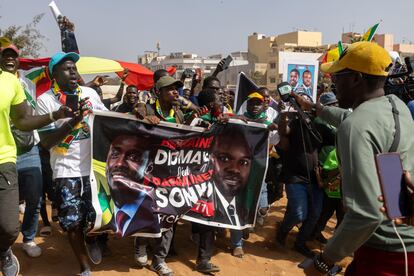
72	101
188	73
394	190
226	64
284	90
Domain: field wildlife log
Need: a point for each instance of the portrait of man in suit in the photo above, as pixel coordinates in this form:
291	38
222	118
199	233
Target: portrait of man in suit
294	79
127	162
307	83
232	159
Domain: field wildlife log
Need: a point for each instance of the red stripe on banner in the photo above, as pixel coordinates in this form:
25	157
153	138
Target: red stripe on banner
204	208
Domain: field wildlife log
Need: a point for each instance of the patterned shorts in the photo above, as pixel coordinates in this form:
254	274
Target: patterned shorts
73	200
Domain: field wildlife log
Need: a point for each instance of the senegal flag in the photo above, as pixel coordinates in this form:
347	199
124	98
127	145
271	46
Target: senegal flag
333	54
370	33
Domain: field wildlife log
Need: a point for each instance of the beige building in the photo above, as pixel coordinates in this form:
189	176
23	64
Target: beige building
264	53
384	40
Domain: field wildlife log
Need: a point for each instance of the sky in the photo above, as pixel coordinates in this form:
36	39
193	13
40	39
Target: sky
124	29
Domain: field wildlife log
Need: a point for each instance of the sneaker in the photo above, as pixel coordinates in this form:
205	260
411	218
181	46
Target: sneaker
238	252
162	269
93	250
304	250
31	249
207	267
141	257
10	265
86	273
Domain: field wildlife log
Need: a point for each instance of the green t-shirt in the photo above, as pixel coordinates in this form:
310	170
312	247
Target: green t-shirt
367	131
11	93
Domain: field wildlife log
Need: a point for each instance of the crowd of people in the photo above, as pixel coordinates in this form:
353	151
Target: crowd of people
325	167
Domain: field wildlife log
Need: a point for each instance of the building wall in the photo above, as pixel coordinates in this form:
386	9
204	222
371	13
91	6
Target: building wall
348	38
258	47
300	38
404	48
310	39
265	50
385	40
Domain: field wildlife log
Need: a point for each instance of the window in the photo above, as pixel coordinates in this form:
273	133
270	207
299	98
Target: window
272	80
272	65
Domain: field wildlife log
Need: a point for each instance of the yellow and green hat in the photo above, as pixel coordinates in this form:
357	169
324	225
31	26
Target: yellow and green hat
365	57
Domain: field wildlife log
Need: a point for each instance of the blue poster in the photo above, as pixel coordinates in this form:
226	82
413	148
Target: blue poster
301	77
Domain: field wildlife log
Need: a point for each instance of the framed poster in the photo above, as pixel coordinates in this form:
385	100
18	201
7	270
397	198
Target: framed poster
301	72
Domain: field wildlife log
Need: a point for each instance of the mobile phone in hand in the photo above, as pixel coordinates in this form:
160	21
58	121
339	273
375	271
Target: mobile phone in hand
72	101
226	64
394	189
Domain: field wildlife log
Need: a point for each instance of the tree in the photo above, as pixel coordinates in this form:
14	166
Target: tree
27	38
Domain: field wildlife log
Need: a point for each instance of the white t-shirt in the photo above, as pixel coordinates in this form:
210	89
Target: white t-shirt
76	162
30	88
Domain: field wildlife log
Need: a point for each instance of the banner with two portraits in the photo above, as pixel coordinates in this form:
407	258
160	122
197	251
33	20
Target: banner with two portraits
146	177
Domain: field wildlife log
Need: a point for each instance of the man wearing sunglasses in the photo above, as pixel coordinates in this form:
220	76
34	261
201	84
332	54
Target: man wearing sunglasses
359	76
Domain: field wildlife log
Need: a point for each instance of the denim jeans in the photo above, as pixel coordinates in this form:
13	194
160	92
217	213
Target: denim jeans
30	188
236	235
302	207
263	200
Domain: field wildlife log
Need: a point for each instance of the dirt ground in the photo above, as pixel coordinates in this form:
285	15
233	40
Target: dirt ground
261	256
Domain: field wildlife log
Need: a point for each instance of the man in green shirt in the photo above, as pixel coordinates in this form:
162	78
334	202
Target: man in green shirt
13	107
359	75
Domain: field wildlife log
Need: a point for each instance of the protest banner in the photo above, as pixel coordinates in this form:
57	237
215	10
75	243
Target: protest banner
145	177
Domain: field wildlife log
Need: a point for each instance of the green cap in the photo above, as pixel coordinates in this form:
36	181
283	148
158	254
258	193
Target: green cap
168	81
